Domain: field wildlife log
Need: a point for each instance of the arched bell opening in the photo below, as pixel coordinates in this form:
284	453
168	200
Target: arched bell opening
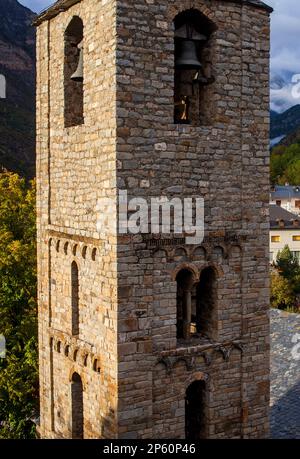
193	67
73	73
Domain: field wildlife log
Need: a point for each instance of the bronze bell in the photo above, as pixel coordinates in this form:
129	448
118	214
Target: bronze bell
187	56
78	74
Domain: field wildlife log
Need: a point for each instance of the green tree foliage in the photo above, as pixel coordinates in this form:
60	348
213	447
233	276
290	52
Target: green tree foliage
282	295
285	165
285	281
18	307
287	264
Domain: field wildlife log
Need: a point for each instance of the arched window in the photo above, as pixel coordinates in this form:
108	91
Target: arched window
195	411
73	73
75	298
184	303
77	406
193	68
196	305
205	316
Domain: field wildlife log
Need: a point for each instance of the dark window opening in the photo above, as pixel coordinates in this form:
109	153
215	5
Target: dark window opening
193	68
195	411
77	407
184	307
73	73
196	305
206	304
75	298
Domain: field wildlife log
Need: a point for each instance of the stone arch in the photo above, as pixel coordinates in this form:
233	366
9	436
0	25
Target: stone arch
84	251
164	363
215	267
85	360
199	253
186	361
58	347
75	355
73	89
185	5
74	249
219	252
235	251
180	254
96	365
94	254
197	376
67	350
188	266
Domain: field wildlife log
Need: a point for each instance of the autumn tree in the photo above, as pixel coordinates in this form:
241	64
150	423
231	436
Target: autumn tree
282	295
18	307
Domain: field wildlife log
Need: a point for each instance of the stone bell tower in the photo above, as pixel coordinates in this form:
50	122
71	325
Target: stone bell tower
146	335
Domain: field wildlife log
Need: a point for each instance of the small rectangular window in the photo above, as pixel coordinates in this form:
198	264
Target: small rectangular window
275	238
296	238
278	203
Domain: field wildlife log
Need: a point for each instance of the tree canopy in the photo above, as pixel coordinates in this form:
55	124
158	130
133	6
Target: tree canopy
18	307
285	165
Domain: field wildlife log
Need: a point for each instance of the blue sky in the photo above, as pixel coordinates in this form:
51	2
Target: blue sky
285	47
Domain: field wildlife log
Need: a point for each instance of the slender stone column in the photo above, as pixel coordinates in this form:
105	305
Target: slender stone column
187	303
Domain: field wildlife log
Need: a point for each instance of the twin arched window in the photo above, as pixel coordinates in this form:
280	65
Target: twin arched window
196	304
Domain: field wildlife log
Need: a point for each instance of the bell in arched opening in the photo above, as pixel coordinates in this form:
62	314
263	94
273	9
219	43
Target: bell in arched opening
78	74
187	57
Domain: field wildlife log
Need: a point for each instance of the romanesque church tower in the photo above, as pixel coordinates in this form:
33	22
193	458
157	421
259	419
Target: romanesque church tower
146	335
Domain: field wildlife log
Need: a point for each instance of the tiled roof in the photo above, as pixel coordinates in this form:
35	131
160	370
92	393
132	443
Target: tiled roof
282	219
285	192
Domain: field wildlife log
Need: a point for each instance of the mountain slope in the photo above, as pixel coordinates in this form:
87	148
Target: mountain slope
293	137
283	124
17	111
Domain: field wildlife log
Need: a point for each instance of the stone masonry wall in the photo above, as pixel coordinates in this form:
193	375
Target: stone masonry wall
227	164
76	166
133	370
